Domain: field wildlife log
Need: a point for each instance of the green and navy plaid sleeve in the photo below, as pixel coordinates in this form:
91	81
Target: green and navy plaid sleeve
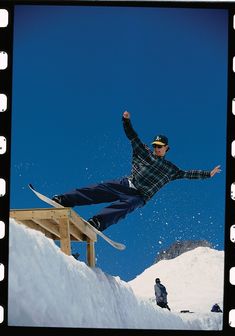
192	174
129	131
137	145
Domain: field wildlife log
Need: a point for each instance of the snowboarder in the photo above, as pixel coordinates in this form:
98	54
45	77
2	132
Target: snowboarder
160	294
216	308
150	172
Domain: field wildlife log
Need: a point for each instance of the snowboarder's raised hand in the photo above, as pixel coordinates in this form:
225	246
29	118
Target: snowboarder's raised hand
126	115
215	171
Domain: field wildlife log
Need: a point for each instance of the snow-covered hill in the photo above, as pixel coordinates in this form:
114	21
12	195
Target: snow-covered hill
48	288
194	280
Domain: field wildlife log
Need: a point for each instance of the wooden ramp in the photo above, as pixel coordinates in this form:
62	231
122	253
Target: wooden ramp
62	224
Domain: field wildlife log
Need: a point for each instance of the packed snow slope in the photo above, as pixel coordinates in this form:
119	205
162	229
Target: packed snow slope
194	280
48	288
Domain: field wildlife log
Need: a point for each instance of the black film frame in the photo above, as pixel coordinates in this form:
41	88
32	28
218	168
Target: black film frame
6	45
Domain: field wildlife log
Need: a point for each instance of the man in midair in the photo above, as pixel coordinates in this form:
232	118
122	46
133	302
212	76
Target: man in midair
150	172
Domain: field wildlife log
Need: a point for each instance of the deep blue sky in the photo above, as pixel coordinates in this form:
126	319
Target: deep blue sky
76	69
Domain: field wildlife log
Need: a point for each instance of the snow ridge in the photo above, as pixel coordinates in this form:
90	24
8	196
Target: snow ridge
48	288
194	280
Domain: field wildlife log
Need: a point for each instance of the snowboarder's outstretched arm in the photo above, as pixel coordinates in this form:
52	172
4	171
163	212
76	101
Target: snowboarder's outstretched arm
197	174
129	131
137	145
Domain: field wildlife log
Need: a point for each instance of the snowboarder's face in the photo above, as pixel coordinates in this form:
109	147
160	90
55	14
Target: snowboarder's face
160	150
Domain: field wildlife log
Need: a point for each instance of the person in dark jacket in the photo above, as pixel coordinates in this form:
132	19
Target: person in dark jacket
150	172
216	308
160	294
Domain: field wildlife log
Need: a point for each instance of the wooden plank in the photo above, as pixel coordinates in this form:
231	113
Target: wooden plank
64	224
55	214
81	225
39	213
34	226
76	234
64	236
90	253
31	225
49	226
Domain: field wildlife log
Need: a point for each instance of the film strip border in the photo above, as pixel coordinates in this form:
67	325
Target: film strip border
229	279
6	61
6	41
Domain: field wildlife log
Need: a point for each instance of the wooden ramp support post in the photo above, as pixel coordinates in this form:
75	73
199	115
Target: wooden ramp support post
64	236
62	224
90	252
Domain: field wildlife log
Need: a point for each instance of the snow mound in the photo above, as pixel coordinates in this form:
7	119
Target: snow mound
50	289
194	280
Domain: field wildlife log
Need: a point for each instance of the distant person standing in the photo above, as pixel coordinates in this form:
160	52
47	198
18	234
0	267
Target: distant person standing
216	308
160	294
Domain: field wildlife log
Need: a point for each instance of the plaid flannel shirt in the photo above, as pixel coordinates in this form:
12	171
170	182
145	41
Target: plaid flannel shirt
150	172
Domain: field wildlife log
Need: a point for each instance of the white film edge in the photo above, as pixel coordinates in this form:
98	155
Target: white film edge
3	145
4	18
3	60
3	102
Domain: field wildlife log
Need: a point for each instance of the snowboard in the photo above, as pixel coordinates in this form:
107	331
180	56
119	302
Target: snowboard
49	201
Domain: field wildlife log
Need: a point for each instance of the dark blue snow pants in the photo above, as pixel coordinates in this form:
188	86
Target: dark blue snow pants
125	200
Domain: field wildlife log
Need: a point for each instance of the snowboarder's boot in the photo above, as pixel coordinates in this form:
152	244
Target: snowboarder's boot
60	200
95	223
